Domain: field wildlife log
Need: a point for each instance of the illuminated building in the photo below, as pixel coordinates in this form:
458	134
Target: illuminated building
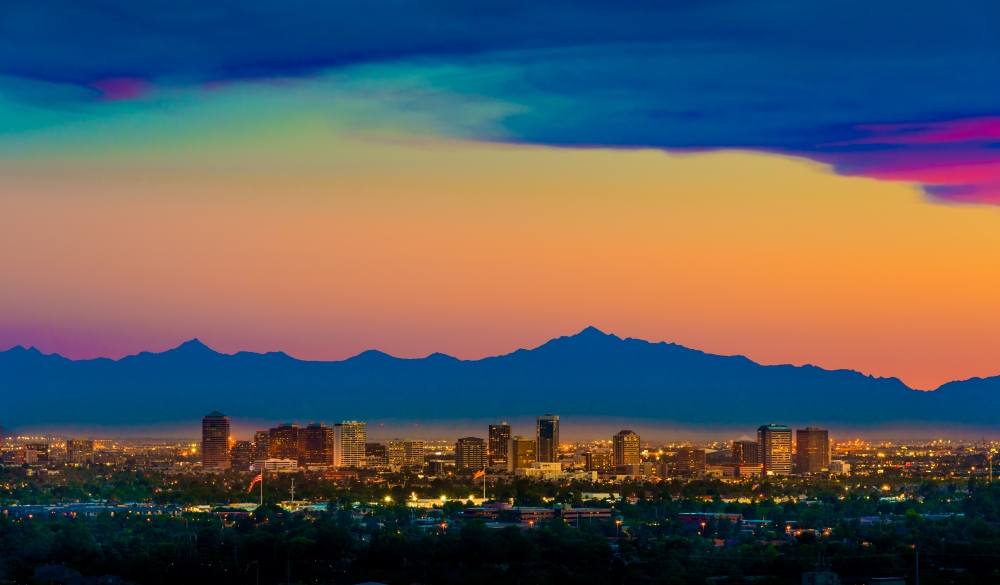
470	453
41	451
625	446
812	450
838	467
497	447
241	455
283	442
261	439
80	451
215	441
315	445
746	450
547	435
406	453
690	462
349	444
376	455
600	461
521	453
775	447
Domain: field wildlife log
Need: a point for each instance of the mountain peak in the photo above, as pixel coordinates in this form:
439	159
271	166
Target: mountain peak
194	346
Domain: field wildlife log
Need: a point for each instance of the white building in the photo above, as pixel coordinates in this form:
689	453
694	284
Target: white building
838	467
349	444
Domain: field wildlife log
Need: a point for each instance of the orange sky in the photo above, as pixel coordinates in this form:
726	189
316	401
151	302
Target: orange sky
350	242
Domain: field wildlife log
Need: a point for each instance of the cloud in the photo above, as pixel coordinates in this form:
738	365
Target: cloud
896	91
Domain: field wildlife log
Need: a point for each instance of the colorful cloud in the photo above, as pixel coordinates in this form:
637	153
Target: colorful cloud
897	91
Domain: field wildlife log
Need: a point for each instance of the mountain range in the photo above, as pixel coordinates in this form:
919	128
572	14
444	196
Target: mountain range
590	374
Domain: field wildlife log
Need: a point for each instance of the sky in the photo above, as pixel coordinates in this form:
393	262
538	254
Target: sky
793	182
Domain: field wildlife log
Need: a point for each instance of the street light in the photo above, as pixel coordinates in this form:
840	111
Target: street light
618	524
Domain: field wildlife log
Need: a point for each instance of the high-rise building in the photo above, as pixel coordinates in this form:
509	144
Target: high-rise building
470	453
775	448
316	445
215	441
283	442
812	450
547	435
625	446
600	461
376	455
690	462
497	447
349	444
746	450
241	455
41	451
406	453
261	439
80	451
521	453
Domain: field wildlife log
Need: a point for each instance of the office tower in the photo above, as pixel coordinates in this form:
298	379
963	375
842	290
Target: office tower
775	448
812	450
283	442
261	439
470	453
80	451
625	446
547	435
745	451
521	453
406	453
316	445
215	441
41	451
690	462
349	444
600	461
376	455
497	448
241	455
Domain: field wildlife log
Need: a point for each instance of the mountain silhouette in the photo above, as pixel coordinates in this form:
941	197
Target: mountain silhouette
590	374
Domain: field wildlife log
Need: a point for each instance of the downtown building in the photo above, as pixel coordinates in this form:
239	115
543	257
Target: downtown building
812	450
521	453
316	446
241	455
746	451
690	462
80	451
470	453
349	444
775	448
626	449
498	441
283	442
215	441
547	438
406	454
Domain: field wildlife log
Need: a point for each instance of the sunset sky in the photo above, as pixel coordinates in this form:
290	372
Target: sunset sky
792	183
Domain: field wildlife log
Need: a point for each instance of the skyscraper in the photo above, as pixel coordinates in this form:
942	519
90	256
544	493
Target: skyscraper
812	450
690	462
625	446
80	451
406	453
470	453
547	435
283	442
215	441
261	439
775	447
600	461
497	448
241	455
376	455
746	451
521	453
349	444
315	445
